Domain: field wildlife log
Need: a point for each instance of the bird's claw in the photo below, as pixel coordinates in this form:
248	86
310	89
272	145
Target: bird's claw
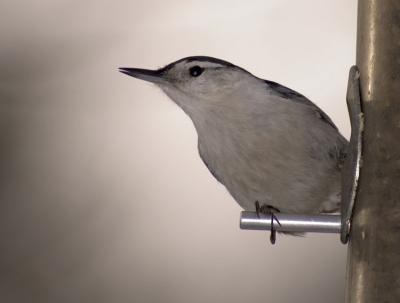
268	210
272	237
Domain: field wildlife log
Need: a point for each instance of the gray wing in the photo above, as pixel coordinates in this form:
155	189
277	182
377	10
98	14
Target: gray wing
287	93
339	151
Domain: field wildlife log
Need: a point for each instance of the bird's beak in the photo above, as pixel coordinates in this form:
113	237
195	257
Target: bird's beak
154	76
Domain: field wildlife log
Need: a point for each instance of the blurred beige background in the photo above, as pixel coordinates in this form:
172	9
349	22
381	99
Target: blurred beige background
103	197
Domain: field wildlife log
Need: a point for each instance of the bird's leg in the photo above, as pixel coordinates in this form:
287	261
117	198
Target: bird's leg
269	210
257	204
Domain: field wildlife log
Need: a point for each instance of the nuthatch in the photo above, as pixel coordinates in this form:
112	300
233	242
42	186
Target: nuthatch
272	148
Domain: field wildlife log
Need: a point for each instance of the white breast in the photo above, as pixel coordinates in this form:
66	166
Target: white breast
273	151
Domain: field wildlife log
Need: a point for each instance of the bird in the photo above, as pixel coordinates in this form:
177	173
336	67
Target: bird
271	147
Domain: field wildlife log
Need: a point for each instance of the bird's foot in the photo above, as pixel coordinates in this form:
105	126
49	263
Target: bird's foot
269	210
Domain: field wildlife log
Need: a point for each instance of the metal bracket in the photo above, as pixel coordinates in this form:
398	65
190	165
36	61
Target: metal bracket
352	164
350	175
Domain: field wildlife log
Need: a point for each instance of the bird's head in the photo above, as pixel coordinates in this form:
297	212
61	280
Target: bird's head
195	82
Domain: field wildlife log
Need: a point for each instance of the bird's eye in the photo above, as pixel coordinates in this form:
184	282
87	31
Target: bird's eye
195	71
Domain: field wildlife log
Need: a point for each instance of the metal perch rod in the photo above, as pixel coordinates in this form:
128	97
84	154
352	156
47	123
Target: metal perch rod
291	222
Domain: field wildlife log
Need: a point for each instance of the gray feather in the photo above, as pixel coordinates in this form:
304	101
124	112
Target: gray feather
263	141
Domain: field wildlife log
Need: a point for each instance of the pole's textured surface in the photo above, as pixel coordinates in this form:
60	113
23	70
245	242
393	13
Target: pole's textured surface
373	272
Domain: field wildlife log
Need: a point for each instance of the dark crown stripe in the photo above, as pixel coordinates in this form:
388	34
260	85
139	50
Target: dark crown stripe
200	59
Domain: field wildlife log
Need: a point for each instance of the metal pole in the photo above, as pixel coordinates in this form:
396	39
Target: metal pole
291	222
373	271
